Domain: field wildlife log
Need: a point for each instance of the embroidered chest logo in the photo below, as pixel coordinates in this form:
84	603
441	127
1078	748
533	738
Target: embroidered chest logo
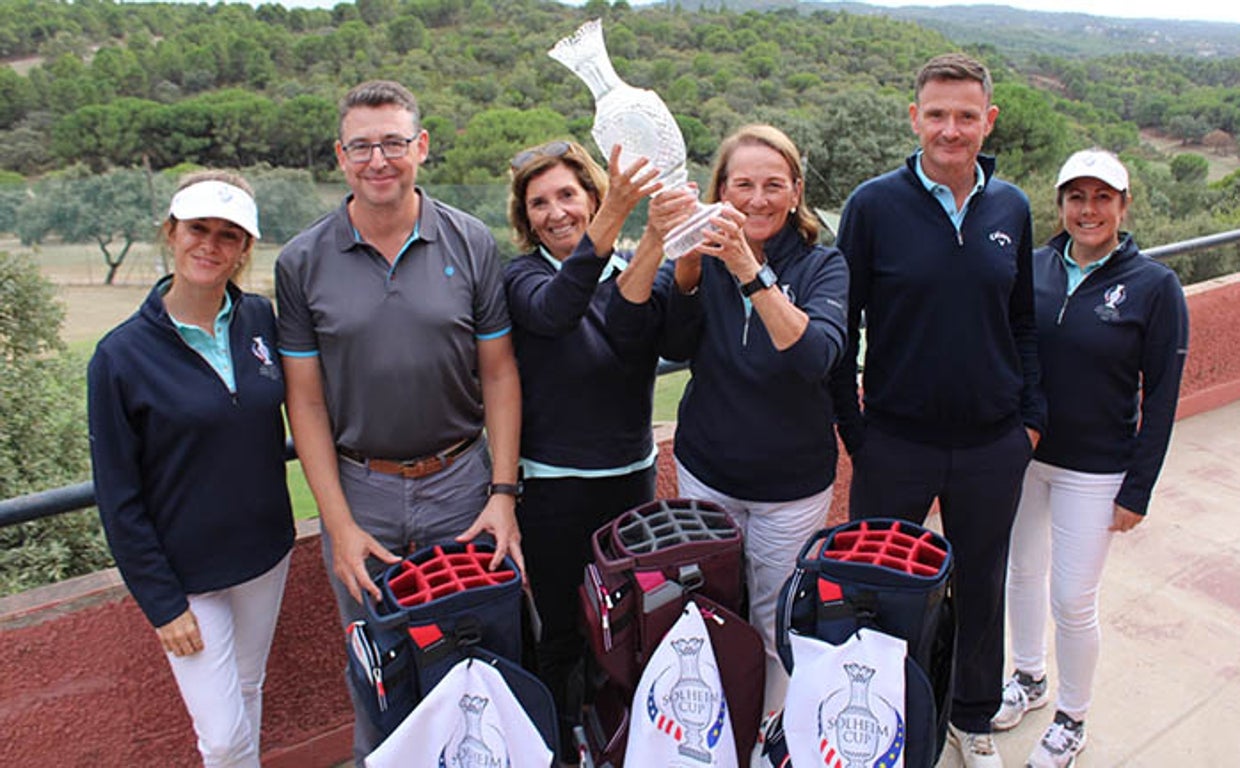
1001	237
267	366
1108	310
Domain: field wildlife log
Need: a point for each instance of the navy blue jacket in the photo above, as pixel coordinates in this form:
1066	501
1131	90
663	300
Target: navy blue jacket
587	360
1112	355
951	343
189	477
754	422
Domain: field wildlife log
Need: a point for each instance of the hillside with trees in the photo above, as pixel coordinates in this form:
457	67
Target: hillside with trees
98	87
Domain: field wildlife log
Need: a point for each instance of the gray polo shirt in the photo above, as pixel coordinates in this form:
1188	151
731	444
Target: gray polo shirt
397	344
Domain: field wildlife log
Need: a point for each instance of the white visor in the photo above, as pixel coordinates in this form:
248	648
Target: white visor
216	200
1094	164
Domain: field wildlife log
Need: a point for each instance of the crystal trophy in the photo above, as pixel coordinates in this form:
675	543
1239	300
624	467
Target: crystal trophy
637	120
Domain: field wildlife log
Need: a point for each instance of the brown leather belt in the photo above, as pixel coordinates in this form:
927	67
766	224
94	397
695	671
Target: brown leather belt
413	468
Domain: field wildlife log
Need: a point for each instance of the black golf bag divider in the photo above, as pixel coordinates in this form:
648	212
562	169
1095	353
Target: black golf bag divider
648	563
441	605
892	576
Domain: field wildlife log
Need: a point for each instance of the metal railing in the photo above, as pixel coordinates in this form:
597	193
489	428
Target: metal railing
1190	246
71	498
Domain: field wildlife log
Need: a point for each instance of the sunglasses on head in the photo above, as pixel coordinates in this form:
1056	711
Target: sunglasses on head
550	149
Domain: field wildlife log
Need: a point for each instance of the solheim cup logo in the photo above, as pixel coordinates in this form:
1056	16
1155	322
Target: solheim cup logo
692	711
471	749
855	734
1108	310
638	121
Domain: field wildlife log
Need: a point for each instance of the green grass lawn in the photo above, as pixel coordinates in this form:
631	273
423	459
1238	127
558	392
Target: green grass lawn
299	491
667	390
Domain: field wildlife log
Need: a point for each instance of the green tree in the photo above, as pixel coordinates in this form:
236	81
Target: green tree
12	193
287	201
42	435
481	154
1189	129
1188	168
25	149
112	210
104	135
1028	133
304	132
857	135
406	33
17	97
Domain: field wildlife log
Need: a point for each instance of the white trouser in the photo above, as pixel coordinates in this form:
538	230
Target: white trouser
1061	528
222	684
774	533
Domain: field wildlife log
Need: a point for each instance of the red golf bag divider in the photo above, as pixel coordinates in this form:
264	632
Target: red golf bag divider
648	563
893	576
440	605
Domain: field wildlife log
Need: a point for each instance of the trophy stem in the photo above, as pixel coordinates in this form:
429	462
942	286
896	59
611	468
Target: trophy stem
688	234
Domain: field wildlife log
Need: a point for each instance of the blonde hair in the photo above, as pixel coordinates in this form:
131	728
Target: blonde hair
769	136
196	177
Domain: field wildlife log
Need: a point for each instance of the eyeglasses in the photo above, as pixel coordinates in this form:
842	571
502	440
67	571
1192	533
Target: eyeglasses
362	151
550	149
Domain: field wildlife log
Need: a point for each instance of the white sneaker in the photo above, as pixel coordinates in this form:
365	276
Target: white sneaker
1063	741
1021	693
977	749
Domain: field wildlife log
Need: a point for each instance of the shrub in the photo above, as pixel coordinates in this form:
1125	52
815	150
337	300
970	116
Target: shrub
42	433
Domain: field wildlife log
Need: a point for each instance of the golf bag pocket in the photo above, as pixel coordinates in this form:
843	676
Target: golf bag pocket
647	563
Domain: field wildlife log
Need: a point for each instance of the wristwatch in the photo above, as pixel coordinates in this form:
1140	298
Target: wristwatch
765	279
508	489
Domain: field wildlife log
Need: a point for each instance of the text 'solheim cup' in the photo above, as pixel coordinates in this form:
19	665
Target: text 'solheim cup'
638	121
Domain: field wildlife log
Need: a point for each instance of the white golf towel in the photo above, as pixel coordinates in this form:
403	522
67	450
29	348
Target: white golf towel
845	703
471	718
680	717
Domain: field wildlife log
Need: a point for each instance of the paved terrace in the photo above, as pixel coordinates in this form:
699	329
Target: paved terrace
84	681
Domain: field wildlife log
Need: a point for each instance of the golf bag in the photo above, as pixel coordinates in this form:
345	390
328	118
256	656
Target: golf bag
441	605
886	575
648	564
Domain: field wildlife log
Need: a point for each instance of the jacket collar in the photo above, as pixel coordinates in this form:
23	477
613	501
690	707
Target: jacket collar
1127	248
987	162
153	307
784	246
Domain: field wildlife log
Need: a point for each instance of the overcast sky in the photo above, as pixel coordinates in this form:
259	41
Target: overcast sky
1199	10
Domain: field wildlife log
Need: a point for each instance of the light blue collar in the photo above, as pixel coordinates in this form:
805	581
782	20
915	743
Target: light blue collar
615	265
946	197
1077	274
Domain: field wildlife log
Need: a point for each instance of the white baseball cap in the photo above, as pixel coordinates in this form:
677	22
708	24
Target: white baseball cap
216	200
1094	164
